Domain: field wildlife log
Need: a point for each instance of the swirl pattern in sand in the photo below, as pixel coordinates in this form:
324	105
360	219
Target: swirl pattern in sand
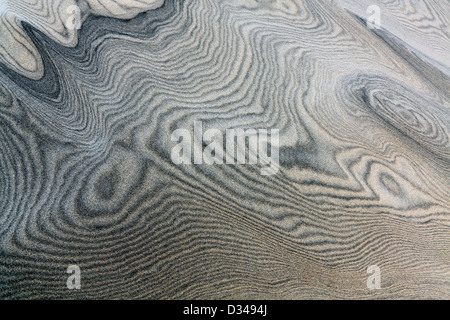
86	176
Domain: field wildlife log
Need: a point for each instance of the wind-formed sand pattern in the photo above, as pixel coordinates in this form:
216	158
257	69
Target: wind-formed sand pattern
86	176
